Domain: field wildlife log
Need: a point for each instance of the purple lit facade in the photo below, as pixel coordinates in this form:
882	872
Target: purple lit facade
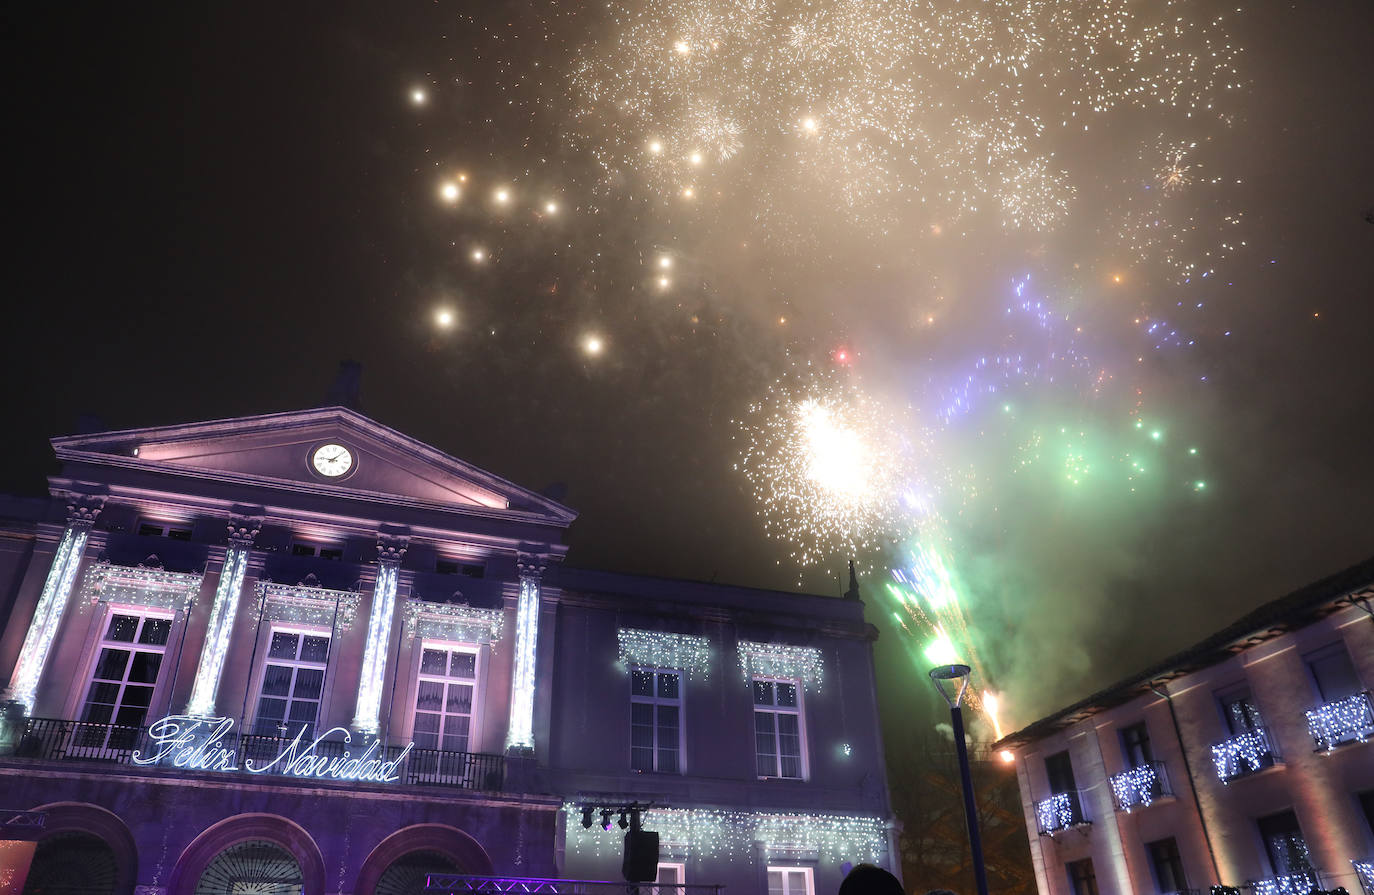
311	651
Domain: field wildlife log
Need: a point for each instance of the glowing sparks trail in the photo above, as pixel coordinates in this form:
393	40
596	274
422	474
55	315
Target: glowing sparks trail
827	465
949	107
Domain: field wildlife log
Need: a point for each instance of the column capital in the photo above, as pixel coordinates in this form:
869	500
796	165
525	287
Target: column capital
243	530
531	565
82	509
392	548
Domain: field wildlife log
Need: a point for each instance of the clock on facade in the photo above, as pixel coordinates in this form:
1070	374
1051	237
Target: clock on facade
332	460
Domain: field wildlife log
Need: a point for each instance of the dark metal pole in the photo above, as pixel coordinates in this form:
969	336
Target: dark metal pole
980	875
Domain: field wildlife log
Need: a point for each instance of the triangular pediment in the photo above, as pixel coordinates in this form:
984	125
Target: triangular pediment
280	449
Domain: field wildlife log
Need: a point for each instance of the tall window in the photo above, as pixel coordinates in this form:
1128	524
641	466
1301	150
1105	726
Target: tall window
292	684
790	881
1239	710
655	720
669	879
778	728
1333	672
1082	879
1168	865
1135	744
125	676
1060	772
444	698
1284	844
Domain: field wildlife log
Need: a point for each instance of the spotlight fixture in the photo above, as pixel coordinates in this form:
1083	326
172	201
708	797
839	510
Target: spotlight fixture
587	817
606	820
623	821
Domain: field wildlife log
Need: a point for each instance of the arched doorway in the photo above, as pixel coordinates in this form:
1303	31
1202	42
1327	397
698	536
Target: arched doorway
84	850
408	874
72	862
401	861
252	867
250	854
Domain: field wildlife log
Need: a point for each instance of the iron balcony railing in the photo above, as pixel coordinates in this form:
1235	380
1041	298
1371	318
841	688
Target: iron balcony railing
1364	869
455	884
1138	787
52	739
1301	883
1341	721
1059	812
1243	754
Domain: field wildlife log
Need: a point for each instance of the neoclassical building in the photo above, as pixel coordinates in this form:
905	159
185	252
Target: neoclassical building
1244	762
303	652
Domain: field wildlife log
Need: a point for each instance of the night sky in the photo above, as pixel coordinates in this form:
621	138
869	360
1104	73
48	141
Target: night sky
211	208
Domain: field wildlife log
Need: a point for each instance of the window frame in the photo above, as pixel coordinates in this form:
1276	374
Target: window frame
475	713
799	711
1328	651
1143	745
675	888
657	701
97	647
1176	861
785	870
260	674
1089	880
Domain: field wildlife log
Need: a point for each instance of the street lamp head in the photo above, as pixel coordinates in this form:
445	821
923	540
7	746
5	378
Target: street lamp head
945	678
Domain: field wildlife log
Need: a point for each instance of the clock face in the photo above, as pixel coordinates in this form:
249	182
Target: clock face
332	460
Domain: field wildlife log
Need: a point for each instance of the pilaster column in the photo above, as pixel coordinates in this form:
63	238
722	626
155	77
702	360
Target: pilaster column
520	730
390	551
242	531
52	602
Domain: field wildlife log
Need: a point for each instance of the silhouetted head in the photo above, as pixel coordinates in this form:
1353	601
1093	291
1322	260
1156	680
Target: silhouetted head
866	879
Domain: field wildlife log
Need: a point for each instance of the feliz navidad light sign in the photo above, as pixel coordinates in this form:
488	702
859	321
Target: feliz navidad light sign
198	744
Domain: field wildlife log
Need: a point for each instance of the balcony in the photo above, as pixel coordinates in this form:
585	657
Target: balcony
1138	787
1244	754
1365	871
50	739
1060	811
1343	721
1291	884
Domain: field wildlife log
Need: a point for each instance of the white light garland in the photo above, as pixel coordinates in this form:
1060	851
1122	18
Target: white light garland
520	731
1291	884
658	649
1135	786
716	833
367	718
1058	812
454	622
779	660
140	586
47	616
1365	870
216	647
1242	754
305	605
1341	721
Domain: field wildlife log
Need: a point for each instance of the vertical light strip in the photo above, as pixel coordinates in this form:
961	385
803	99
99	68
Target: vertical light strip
367	718
202	704
520	732
47	616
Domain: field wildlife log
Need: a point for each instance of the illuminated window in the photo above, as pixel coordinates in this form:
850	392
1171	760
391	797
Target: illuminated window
1082	878
778	728
445	698
1284	844
124	678
1239	710
670	878
292	683
656	720
790	881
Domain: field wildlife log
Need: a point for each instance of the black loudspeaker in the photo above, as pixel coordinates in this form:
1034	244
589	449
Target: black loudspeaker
641	857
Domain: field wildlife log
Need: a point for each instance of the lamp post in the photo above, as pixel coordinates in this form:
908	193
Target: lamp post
948	675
